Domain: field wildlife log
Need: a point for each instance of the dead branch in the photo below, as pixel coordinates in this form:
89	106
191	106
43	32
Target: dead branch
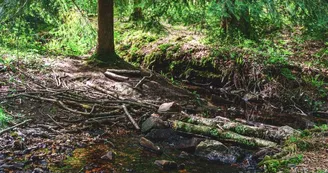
12	127
115	76
55	121
126	72
49	128
110	92
142	81
86	113
130	117
256	124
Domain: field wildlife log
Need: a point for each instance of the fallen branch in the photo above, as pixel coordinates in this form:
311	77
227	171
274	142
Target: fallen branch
256	124
142	81
130	117
12	127
125	72
115	76
59	125
110	92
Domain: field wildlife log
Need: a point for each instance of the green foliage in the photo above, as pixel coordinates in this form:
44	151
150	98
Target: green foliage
233	20
4	118
276	165
47	26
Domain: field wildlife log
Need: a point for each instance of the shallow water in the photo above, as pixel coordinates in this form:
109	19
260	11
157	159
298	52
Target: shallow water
131	157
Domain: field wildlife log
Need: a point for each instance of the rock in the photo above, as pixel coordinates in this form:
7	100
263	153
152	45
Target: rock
152	122
188	144
160	134
37	170
182	166
170	107
286	131
215	151
184	155
149	145
166	165
108	156
2	68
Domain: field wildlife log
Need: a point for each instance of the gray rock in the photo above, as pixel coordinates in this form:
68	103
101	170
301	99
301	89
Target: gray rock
160	134
286	131
37	170
188	144
108	156
170	107
184	155
166	165
149	145
152	122
215	151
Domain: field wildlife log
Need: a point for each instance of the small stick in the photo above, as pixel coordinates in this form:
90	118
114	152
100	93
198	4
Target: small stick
142	81
115	76
55	121
12	127
130	117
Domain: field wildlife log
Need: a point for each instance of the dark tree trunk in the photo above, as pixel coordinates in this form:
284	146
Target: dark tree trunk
137	11
105	47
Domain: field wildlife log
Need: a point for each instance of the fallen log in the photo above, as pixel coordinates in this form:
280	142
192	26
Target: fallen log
129	72
221	134
207	121
115	76
267	132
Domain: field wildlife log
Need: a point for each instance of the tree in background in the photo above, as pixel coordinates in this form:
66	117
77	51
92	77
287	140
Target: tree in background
105	46
137	11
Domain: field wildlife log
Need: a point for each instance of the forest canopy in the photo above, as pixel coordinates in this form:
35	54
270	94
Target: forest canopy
62	26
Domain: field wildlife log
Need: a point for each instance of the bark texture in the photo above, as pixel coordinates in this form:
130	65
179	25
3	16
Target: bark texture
105	47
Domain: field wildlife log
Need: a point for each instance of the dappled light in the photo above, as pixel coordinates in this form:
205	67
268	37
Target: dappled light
163	86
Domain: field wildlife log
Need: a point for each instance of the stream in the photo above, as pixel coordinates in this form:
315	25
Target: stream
129	156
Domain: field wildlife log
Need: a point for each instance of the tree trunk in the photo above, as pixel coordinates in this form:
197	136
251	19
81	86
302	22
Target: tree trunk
137	11
105	47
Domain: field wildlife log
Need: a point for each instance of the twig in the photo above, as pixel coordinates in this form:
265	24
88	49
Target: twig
49	128
142	81
130	117
86	113
55	121
12	127
110	92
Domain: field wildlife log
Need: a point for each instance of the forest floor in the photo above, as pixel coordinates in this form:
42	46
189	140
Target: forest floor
66	104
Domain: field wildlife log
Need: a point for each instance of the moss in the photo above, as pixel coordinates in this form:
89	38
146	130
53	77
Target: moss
163	47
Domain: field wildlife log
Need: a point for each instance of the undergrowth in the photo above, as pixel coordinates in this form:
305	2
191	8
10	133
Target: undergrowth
290	155
4	118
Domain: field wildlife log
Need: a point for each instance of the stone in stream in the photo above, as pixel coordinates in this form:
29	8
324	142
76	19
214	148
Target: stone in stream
286	131
188	144
216	151
38	170
170	107
149	145
166	165
153	122
161	134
